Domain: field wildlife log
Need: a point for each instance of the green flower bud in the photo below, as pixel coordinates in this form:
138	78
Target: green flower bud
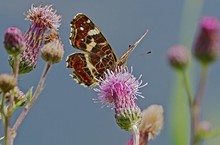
178	57
53	50
127	117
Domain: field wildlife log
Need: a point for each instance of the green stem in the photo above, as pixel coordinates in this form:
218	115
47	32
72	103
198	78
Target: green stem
187	87
6	119
8	137
197	104
7	115
136	135
34	98
2	108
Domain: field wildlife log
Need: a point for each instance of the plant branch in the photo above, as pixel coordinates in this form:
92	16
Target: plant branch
34	98
196	106
16	66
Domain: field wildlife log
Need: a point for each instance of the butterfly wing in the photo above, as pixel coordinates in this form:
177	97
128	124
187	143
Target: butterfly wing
97	55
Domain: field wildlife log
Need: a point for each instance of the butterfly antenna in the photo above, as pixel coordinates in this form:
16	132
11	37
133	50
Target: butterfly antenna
137	42
123	58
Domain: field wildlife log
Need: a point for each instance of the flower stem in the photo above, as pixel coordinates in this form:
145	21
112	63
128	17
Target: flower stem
136	134
16	66
6	118
196	106
8	137
34	98
187	87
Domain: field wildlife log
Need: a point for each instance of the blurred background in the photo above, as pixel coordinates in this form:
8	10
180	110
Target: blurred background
65	112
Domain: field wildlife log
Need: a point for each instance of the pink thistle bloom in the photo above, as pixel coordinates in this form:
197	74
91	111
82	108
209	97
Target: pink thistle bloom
206	48
119	83
120	89
42	18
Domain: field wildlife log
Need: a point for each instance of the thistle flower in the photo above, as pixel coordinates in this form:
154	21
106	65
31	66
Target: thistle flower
206	48
178	57
52	51
151	124
7	82
42	18
13	41
205	126
120	89
152	121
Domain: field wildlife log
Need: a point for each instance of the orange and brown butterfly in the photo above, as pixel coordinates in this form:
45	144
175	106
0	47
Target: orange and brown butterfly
96	54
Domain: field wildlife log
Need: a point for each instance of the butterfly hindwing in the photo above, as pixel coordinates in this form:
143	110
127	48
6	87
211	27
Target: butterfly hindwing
84	73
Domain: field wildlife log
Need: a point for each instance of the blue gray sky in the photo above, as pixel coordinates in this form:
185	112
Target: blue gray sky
65	113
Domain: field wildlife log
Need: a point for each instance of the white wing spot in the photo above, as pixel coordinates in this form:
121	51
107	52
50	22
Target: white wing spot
81	28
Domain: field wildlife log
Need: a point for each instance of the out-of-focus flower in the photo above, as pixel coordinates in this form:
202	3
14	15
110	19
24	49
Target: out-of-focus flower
152	121
151	124
178	57
53	50
13	41
206	48
7	82
43	18
120	89
205	126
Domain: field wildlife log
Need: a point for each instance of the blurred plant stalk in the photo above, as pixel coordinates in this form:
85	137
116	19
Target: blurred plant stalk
206	50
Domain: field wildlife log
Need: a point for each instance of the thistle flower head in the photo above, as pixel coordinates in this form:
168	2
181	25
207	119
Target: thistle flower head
118	83
52	51
206	48
42	18
7	82
152	121
119	89
45	17
13	41
178	57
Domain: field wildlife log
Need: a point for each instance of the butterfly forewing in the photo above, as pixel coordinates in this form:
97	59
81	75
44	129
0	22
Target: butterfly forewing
87	37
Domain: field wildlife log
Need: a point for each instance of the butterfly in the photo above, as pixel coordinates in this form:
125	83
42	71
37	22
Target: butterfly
96	54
